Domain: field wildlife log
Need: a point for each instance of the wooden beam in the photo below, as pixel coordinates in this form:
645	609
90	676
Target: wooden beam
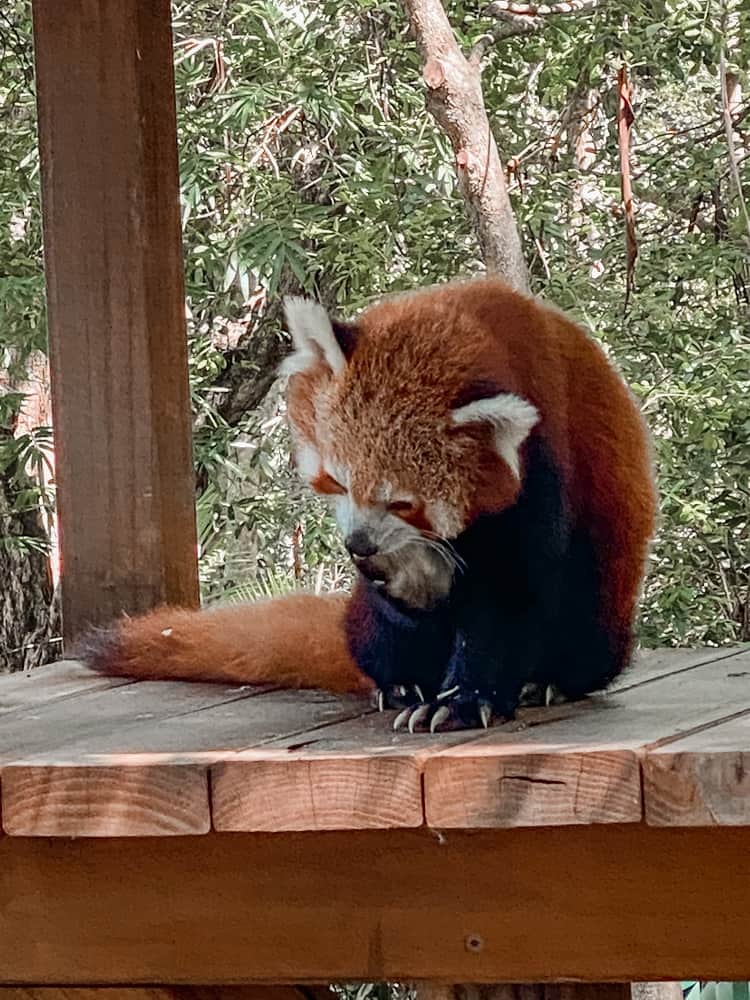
170	993
599	903
118	350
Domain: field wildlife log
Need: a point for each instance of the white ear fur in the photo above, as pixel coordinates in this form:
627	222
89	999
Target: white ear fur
512	418
311	331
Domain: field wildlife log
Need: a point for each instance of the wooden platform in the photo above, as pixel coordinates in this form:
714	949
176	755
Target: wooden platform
87	756
238	835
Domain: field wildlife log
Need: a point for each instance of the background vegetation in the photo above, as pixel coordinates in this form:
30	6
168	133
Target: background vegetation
308	162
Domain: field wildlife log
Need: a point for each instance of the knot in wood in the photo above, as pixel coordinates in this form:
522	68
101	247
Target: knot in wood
433	73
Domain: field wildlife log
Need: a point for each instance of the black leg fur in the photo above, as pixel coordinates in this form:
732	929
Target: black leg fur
525	611
587	658
398	648
505	607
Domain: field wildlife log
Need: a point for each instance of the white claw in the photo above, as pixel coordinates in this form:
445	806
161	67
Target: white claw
400	691
447	694
380	700
400	720
549	696
485	715
439	718
418	692
418	716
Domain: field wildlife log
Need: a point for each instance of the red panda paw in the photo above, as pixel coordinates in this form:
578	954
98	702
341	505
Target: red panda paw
398	696
536	695
451	710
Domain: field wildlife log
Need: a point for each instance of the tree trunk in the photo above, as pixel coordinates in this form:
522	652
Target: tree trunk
455	100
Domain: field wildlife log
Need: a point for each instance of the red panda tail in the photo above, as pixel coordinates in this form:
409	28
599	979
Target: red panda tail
295	641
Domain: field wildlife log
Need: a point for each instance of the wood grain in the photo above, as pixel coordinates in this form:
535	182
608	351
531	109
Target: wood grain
112	801
53	682
116	308
356	773
702	780
580	763
353	792
593	903
651	664
472	791
101	718
99	765
165	721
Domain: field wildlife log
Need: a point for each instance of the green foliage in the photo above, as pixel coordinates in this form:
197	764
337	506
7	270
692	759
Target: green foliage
22	327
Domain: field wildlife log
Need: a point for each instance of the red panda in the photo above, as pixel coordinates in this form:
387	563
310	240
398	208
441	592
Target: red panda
490	473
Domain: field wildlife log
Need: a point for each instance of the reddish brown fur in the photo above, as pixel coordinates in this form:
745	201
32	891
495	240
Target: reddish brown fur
296	641
389	411
416	352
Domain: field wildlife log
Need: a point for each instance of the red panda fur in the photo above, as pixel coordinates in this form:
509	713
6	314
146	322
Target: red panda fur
294	641
435	341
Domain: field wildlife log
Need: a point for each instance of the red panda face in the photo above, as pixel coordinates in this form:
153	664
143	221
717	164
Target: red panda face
391	422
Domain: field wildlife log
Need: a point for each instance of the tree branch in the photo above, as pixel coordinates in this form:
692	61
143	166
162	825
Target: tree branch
625	120
500	8
521	19
508	25
455	100
731	151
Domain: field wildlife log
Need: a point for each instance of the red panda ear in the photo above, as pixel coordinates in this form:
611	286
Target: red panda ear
511	417
315	337
476	389
346	335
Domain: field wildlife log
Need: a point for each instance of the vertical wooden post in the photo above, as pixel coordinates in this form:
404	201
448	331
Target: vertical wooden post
116	314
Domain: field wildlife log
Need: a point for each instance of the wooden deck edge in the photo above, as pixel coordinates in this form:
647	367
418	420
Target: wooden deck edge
588	903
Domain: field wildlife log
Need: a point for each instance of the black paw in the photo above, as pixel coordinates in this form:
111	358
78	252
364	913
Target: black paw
453	709
535	695
398	696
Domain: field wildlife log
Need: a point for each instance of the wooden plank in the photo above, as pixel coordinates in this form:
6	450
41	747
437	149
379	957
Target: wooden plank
305	769
580	763
52	682
116	309
592	903
166	722
80	766
125	801
331	780
100	718
349	792
106	798
651	664
356	775
539	788
702	780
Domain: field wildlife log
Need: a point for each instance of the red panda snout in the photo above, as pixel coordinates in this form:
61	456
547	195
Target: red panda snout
418	574
402	560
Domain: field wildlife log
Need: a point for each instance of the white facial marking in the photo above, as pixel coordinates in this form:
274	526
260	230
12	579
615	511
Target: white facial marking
339	473
384	492
444	518
312	333
308	460
512	418
343	511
